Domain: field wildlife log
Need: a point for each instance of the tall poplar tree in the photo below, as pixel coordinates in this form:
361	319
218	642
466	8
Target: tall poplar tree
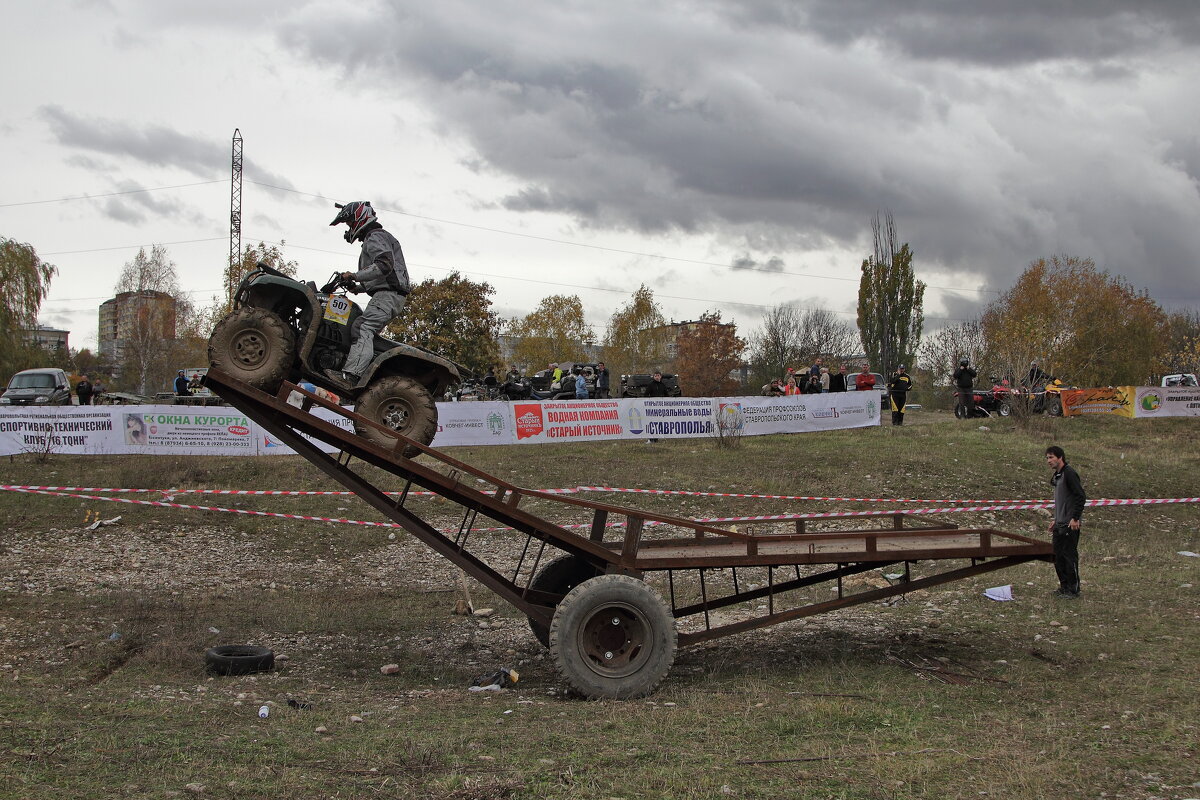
890	301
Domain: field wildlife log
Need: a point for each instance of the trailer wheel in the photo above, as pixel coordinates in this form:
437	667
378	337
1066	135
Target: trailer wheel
402	404
1004	410
558	577
1054	407
254	346
613	636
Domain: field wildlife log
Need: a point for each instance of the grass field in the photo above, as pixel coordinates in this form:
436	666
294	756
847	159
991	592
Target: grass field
103	691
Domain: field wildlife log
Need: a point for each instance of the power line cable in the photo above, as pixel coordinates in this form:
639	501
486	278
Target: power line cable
107	194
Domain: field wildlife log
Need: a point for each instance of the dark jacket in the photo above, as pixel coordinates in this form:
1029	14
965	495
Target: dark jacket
837	382
656	389
901	383
381	263
964	377
181	387
1069	498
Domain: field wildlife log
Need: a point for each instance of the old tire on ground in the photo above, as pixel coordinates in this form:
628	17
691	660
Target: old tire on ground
254	346
613	636
401	404
239	659
558	577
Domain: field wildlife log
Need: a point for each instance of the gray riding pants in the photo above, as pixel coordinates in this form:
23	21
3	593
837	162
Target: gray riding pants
383	308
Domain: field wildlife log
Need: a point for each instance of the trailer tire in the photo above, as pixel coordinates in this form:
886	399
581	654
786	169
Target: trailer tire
558	577
1004	410
239	659
1054	407
254	346
402	404
612	636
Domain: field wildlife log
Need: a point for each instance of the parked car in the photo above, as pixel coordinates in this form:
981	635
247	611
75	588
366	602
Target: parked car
38	387
880	383
1180	379
635	385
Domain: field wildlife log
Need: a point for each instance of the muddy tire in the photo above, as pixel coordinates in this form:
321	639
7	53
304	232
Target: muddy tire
401	404
558	577
613	636
1004	410
254	346
1054	407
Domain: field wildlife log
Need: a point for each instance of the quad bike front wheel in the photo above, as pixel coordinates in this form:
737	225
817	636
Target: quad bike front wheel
612	636
254	346
401	404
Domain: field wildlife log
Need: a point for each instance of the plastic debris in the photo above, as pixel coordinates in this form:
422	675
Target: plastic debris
999	593
100	522
1187	553
264	712
494	681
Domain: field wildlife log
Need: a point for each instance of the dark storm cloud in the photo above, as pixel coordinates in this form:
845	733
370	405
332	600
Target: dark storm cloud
154	145
995	33
772	264
996	133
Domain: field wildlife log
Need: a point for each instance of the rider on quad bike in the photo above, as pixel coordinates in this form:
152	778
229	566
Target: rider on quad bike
282	328
381	274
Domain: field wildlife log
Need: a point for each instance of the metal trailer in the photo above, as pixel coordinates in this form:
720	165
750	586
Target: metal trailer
584	586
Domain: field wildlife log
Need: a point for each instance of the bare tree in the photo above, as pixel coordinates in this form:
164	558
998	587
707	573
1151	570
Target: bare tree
791	337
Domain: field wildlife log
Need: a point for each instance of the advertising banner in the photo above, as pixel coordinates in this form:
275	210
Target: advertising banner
1167	401
1116	400
127	429
221	430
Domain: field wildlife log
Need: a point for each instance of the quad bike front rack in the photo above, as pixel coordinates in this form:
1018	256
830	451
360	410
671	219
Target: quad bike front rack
585	582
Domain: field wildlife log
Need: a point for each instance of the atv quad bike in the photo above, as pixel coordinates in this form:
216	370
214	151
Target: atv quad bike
281	329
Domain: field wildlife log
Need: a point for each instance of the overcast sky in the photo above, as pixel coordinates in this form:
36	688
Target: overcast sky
730	156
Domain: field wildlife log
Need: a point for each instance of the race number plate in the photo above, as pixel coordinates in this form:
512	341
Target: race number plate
338	310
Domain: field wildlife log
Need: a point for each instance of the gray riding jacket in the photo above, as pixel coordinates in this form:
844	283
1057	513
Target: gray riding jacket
381	264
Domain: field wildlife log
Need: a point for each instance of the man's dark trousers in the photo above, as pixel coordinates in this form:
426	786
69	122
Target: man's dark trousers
1066	558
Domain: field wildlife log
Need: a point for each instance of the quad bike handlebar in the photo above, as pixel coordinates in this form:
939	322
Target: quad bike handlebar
336	281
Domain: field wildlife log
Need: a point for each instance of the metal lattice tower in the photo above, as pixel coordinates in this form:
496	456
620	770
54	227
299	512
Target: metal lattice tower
235	210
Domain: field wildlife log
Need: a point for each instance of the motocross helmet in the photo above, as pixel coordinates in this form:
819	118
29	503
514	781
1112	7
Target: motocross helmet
357	214
964	362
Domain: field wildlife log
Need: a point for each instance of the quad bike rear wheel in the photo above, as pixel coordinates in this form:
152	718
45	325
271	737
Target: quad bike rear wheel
401	404
254	346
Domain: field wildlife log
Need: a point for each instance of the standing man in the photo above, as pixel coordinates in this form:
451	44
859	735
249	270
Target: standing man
964	379
83	390
381	274
864	380
898	389
1069	500
602	378
181	385
837	381
815	369
656	388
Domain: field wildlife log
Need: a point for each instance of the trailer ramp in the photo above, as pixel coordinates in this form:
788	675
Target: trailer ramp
583	581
